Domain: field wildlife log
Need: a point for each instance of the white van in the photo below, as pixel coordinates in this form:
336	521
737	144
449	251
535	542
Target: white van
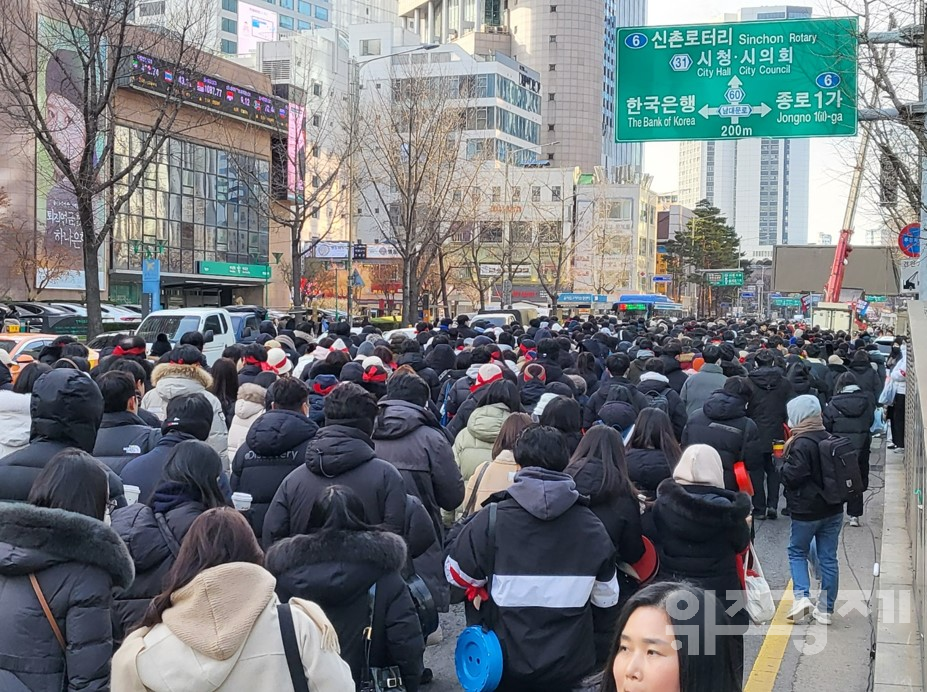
214	323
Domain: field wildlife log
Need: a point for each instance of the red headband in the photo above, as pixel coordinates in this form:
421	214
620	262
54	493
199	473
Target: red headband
482	383
134	351
324	391
373	374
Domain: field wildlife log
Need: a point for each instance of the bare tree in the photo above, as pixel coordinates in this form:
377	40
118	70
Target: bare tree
60	76
413	163
888	80
37	264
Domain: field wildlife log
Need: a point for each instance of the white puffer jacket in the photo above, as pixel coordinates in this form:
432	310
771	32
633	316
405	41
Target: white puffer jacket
17	421
248	407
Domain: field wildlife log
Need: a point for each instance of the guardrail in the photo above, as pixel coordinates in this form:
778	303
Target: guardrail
916	460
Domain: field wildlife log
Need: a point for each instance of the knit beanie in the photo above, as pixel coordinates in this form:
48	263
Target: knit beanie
364	350
699	465
487	374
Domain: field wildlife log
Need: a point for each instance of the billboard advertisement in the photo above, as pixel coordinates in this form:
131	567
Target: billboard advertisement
60	96
255	24
296	153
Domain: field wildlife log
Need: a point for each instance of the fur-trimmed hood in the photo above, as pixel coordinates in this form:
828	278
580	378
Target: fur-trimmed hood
252	393
335	566
35	538
174	371
694	512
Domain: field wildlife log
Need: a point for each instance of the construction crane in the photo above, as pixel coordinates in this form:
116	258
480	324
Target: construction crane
842	252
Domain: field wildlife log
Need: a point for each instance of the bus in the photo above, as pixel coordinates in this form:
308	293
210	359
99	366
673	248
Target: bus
650	306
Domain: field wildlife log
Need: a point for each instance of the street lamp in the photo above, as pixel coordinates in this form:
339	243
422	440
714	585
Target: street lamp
506	241
354	88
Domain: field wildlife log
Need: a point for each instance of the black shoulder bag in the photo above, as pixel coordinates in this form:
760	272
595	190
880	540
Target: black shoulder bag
291	648
378	679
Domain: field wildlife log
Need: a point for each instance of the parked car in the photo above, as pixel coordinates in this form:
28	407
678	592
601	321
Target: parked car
26	347
38	317
214	323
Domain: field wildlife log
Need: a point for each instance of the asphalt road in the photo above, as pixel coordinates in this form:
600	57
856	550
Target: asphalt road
843	650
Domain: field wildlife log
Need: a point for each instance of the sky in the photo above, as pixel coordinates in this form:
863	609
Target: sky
830	157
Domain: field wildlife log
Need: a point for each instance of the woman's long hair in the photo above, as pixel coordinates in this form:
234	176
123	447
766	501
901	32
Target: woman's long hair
653	430
218	536
196	466
604	443
706	657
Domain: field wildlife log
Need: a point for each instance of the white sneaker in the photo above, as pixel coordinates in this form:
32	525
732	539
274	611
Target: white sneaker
854	521
800	610
821	616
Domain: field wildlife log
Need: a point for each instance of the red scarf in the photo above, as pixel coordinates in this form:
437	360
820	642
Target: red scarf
265	366
374	374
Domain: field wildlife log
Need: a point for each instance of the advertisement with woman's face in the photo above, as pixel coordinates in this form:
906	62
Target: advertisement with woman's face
61	98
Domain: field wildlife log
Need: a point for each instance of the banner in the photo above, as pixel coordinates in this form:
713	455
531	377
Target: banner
60	96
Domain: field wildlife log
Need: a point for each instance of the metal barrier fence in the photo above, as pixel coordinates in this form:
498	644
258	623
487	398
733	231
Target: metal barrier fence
916	458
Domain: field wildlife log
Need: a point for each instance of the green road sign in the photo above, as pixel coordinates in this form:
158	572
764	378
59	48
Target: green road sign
725	278
791	78
786	302
242	271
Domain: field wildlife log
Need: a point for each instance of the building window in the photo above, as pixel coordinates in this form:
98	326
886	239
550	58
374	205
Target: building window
304	7
535	194
321	13
555	191
491	234
551	96
497	194
550	232
316	89
553	38
230	5
551	127
516	194
520	233
316	120
553	8
286	21
229	25
229	47
551	68
303	26
286	4
370	46
151	9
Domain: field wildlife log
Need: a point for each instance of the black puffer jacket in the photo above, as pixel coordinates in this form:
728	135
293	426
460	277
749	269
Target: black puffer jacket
153	547
416	361
700	530
867	377
849	415
77	561
648	468
674	373
274	447
122	437
336	569
337	455
723	424
410	438
802	479
66	408
596	401
769	396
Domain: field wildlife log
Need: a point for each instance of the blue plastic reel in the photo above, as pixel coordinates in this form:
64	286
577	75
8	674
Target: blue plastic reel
478	660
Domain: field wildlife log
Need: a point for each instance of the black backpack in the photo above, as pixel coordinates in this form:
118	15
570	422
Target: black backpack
658	401
839	470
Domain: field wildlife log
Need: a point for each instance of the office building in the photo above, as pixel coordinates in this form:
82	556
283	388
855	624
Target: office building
236	27
568	44
760	185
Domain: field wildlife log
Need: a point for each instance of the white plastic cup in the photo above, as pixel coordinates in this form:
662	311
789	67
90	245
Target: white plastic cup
242	501
131	492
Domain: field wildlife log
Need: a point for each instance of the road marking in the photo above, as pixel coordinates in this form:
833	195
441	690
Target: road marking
769	659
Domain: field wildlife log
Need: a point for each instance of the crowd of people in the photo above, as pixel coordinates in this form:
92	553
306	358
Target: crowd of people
303	508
